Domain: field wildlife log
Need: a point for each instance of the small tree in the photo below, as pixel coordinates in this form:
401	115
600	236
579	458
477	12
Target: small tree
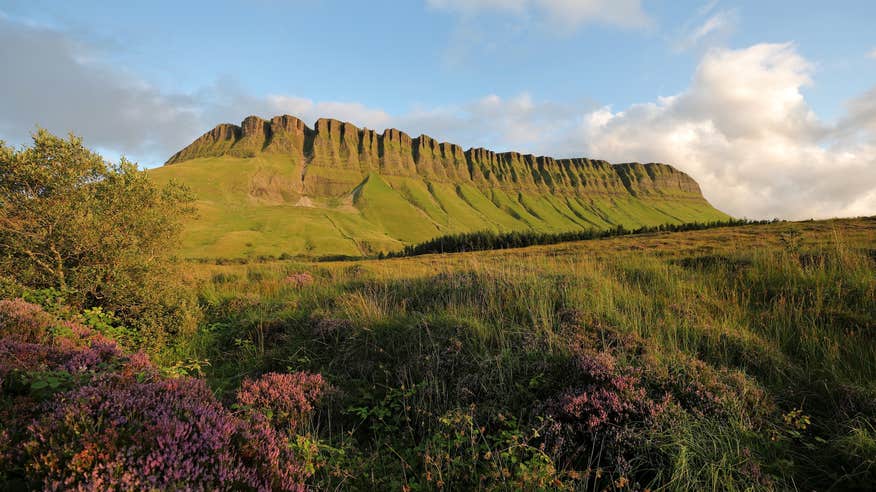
96	231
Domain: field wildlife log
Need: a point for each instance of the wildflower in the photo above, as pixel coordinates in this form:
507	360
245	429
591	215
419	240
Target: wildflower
286	397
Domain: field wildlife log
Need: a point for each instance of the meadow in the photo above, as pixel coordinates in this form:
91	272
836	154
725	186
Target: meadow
739	358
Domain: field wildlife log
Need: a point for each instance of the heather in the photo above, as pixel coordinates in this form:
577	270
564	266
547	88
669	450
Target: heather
78	413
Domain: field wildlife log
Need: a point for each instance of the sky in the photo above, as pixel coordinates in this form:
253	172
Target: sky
770	106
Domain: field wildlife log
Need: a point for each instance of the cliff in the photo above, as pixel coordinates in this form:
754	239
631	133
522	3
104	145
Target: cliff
336	156
277	186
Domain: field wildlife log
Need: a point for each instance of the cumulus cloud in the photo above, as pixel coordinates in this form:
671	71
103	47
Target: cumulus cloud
568	13
518	123
73	88
744	130
225	101
310	110
872	54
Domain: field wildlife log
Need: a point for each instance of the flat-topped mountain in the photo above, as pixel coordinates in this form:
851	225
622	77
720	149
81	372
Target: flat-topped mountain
274	186
351	153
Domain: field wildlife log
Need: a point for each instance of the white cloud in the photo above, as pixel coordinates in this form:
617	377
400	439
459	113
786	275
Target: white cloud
309	110
712	24
474	6
706	27
742	128
517	123
567	13
872	54
745	132
52	80
718	23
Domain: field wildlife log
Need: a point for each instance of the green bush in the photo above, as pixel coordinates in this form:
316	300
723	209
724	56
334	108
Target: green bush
92	233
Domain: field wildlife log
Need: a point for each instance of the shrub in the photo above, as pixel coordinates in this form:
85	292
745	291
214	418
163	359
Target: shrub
285	399
23	321
464	455
601	421
167	434
76	412
94	231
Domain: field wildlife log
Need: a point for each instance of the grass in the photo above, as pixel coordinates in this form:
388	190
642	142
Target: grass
256	207
752	346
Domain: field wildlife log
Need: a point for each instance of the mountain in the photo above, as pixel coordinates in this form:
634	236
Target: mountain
276	186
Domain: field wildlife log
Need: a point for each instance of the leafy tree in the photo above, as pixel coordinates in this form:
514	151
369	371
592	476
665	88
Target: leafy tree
96	231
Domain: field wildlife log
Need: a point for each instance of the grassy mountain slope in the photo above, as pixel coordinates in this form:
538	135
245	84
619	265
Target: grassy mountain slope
268	188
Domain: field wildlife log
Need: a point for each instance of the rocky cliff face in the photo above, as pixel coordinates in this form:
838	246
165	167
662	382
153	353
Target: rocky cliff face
336	156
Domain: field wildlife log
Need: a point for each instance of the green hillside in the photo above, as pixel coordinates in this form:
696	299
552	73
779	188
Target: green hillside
268	188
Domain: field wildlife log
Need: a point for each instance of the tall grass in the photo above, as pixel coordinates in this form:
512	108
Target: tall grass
781	320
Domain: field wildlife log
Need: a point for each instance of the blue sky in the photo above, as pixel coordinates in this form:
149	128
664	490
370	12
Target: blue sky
615	79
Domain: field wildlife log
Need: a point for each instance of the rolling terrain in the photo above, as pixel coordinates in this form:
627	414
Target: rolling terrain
274	187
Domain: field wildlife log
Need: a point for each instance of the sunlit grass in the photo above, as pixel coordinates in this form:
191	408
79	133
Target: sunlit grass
789	308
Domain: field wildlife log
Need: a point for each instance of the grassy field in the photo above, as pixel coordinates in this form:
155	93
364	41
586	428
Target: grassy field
738	358
247	208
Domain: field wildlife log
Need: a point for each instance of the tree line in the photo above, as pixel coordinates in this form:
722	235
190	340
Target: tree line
487	240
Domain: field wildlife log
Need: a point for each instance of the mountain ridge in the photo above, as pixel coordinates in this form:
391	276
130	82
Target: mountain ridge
267	187
339	145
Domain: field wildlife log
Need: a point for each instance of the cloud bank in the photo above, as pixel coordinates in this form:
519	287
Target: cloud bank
52	80
742	129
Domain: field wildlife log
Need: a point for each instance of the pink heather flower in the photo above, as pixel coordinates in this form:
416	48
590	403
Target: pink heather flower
24	321
607	406
109	428
163	435
288	397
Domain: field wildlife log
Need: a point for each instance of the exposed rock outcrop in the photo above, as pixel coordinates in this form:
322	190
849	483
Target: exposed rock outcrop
336	156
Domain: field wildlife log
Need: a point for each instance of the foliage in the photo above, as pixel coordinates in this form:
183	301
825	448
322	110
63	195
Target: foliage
106	323
76	412
93	231
462	454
